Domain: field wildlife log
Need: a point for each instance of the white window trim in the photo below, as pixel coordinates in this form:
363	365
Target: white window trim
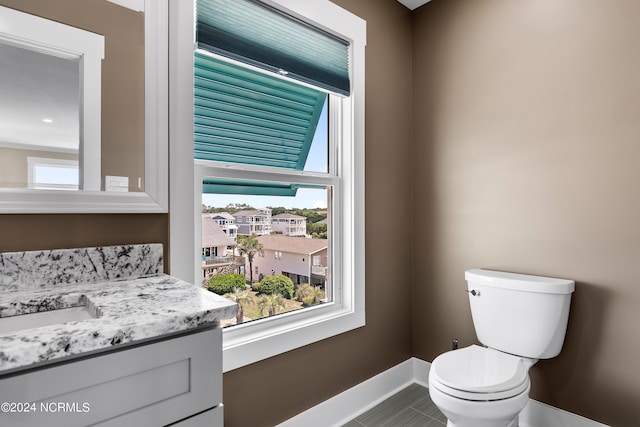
258	340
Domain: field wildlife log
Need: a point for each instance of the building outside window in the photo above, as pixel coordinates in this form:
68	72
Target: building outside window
289	224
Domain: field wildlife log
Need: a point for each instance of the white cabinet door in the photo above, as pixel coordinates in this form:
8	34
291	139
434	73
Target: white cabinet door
150	385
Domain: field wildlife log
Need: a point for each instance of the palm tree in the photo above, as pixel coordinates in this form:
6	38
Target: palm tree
271	302
250	245
303	291
318	295
240	297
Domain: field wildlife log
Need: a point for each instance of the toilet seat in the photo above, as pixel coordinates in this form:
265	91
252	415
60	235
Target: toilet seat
479	374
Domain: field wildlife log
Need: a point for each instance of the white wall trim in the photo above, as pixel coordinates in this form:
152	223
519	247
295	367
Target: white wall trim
538	414
360	398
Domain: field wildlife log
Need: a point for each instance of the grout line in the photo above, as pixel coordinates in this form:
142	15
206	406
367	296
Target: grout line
427	415
399	410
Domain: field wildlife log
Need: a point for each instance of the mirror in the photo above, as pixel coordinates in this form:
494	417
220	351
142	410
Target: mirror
40	119
80	132
50	81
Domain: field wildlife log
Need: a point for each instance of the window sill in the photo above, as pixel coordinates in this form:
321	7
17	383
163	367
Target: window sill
261	339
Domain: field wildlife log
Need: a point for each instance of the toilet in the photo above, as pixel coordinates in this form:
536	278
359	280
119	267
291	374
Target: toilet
519	319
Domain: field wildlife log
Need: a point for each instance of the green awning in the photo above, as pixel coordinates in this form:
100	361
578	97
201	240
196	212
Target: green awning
255	33
254	188
244	116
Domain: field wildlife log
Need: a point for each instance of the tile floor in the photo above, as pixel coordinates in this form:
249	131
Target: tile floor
410	407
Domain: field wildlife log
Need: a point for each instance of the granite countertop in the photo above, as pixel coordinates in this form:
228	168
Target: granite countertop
128	310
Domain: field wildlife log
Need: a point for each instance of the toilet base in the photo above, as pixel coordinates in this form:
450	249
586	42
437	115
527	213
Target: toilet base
514	423
466	413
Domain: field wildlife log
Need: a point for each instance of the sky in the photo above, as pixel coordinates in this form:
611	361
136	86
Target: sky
317	161
305	198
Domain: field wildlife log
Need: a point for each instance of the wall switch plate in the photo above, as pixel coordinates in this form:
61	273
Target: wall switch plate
116	183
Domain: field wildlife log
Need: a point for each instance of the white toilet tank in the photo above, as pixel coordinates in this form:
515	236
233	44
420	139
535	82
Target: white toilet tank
518	313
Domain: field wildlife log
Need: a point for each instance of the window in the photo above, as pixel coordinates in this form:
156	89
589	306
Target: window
52	174
342	180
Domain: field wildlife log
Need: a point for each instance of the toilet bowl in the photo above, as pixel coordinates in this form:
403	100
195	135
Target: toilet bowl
480	387
519	319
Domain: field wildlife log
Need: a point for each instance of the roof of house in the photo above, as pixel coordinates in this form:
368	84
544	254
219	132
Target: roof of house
288	216
222	215
295	245
212	234
254	212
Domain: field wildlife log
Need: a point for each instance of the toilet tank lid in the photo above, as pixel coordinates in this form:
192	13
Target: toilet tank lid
520	282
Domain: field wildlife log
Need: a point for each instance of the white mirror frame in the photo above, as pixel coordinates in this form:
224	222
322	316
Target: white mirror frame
155	198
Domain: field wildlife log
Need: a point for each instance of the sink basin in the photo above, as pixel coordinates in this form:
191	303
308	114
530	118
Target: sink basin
44	318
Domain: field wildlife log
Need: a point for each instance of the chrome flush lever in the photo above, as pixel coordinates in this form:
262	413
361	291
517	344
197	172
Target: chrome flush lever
474	292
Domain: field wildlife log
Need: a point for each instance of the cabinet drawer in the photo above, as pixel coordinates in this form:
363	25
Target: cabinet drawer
151	385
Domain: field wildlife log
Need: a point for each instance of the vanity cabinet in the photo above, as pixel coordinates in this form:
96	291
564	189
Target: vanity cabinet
174	381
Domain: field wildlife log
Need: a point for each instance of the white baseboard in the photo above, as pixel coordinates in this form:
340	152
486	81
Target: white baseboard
538	414
360	398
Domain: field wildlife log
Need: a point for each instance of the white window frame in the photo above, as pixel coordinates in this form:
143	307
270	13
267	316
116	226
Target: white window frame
258	340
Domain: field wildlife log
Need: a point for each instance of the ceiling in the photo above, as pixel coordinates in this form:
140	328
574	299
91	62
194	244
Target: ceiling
413	4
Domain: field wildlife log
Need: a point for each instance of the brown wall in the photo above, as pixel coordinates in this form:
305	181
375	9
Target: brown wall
35	232
122	75
273	390
527	122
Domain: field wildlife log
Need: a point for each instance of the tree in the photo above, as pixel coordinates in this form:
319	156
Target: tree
250	246
278	210
240	297
271	302
226	283
238	207
278	284
305	290
309	295
318	295
317	229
